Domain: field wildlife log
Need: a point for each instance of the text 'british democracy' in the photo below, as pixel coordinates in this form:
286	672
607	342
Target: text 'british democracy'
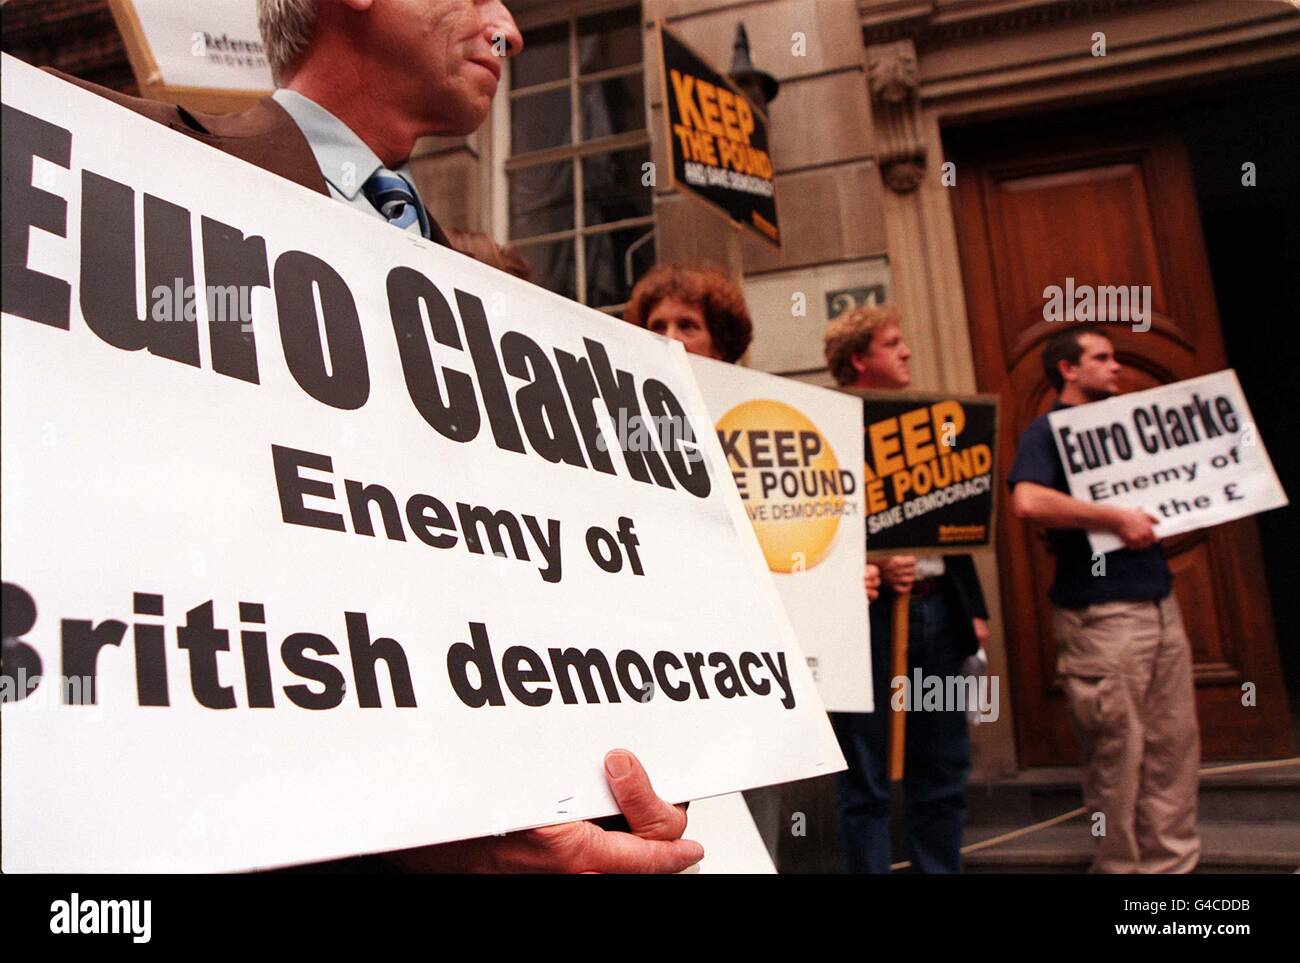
332	369
532	675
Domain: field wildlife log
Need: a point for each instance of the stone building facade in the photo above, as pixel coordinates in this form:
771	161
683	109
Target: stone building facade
946	155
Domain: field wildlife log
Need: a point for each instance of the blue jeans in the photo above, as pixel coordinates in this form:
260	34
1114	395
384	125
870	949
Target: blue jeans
936	763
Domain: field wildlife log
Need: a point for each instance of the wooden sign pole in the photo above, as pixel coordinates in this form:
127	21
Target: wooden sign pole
898	718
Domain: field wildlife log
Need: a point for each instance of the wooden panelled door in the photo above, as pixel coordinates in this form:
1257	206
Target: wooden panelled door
1114	206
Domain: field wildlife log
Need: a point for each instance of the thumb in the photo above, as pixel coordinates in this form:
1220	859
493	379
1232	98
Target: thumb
648	815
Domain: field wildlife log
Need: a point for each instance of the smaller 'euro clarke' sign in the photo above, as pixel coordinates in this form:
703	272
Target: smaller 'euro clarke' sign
1188	454
717	141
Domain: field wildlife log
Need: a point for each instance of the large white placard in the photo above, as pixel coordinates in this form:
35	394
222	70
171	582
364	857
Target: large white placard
731	840
358	548
1186	453
795	451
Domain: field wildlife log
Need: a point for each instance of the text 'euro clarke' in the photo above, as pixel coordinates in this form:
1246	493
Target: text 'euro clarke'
476	674
335	372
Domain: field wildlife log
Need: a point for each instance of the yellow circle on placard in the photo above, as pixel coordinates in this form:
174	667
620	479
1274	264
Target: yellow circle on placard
789	480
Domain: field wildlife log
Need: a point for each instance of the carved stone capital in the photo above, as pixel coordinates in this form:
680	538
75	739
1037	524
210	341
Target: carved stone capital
892	78
891	71
903	176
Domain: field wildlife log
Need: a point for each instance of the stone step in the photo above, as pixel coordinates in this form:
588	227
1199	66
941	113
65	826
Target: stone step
1263	796
1226	847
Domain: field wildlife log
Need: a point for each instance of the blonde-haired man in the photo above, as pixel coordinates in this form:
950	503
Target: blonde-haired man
852	347
947	622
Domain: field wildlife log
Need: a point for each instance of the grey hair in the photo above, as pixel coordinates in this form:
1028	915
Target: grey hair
286	28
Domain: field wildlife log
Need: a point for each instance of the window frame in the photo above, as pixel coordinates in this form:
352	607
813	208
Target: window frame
568	14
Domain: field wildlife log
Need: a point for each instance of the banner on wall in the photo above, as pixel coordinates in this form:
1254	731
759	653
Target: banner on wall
324	511
717	141
795	452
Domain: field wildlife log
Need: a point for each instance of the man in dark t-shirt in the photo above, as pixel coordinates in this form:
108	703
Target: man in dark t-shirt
1124	658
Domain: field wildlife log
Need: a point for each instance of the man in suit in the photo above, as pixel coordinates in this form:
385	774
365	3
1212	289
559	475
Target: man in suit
360	82
947	621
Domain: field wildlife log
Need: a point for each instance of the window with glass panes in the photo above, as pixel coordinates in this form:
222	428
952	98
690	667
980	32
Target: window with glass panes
579	202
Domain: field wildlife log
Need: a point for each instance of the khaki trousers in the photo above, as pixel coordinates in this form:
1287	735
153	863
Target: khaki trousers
1127	670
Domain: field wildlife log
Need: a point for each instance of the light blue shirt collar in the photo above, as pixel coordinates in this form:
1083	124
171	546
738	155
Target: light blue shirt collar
343	158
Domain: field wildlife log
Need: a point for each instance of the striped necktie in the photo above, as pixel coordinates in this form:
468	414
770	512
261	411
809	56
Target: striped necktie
393	197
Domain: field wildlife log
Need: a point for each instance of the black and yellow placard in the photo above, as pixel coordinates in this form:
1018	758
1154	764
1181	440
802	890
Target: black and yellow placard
717	141
929	476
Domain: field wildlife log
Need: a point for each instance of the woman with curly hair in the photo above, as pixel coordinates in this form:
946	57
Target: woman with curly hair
699	306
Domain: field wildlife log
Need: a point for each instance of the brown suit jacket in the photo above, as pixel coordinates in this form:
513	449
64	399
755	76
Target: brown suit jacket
264	135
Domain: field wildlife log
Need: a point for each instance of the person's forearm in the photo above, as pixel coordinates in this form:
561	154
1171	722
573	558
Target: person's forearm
1053	509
